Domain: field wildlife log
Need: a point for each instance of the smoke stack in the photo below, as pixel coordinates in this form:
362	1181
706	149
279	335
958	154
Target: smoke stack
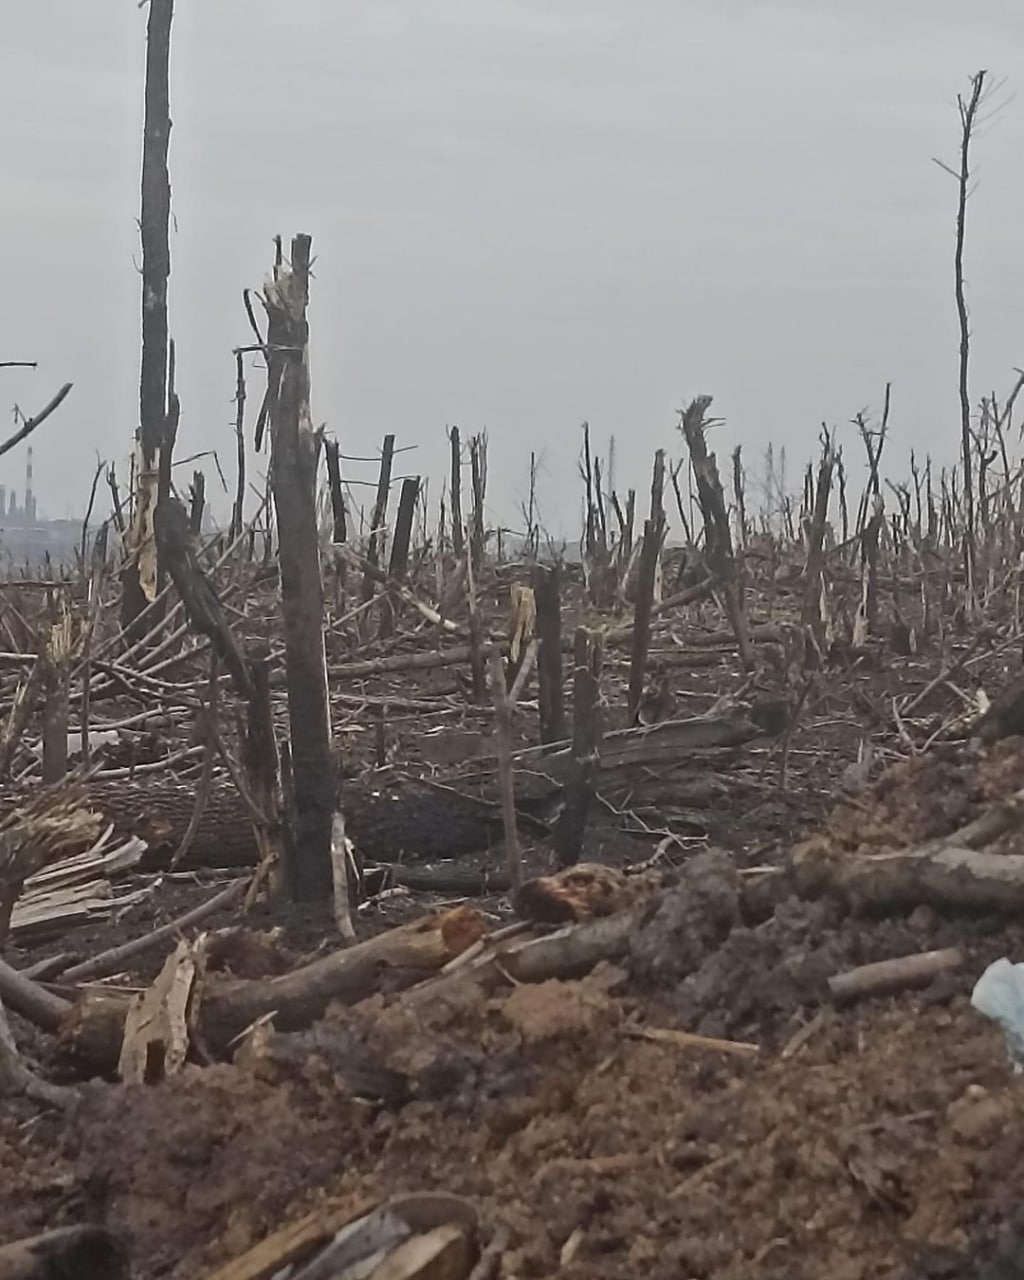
30	502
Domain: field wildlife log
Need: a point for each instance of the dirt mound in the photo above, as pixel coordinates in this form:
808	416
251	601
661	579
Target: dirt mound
927	797
878	1141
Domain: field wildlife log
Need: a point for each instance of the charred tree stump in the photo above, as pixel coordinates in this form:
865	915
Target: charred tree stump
811	612
547	592
717	538
478	476
503	734
238	506
458	529
642	614
571	827
261	763
293	476
399	564
139	577
332	455
56	701
197	503
379	517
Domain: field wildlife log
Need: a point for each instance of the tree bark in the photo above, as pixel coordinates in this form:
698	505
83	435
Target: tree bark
571	828
156	269
293	475
642	615
458	528
399	564
379	517
332	455
550	678
92	1031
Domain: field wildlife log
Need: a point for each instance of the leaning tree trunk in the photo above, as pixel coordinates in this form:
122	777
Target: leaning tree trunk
140	572
293	475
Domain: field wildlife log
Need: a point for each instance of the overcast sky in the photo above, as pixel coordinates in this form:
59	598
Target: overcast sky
524	215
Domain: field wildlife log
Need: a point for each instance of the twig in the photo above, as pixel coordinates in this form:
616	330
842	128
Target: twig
114	960
29	424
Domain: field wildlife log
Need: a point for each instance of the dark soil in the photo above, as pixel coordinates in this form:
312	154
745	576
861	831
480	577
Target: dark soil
881	1141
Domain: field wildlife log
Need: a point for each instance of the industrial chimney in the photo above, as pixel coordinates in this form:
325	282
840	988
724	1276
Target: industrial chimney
30	501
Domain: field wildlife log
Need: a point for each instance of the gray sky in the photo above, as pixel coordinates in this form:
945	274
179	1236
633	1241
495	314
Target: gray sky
525	215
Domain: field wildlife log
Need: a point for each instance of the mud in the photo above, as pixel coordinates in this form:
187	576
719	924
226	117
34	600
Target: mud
881	1141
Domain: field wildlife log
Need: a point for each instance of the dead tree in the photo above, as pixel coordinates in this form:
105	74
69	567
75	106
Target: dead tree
56	656
478	478
237	508
293	475
571	826
399	564
458	529
197	503
379	517
332	456
816	524
202	605
653	532
968	108
139	578
717	538
547	592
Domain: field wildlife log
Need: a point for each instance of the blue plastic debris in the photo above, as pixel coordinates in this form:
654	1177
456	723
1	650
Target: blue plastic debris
999	995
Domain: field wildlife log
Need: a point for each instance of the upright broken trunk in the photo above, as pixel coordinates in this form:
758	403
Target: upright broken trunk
571	827
812	613
547	593
293	475
57	678
642	615
379	517
458	530
139	576
399	564
717	537
332	454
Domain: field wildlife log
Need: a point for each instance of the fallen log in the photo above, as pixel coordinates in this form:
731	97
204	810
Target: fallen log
30	1001
91	1033
423	818
84	1253
939	875
886	977
570	952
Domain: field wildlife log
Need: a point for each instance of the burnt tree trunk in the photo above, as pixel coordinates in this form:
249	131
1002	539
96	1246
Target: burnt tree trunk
571	827
399	565
717	538
380	515
197	501
57	678
308	873
332	455
547	593
458	529
642	615
235	530
139	576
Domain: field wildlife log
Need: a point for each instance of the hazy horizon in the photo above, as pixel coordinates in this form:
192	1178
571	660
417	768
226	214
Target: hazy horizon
522	219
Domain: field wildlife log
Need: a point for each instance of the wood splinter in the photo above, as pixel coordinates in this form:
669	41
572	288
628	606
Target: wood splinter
889	976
